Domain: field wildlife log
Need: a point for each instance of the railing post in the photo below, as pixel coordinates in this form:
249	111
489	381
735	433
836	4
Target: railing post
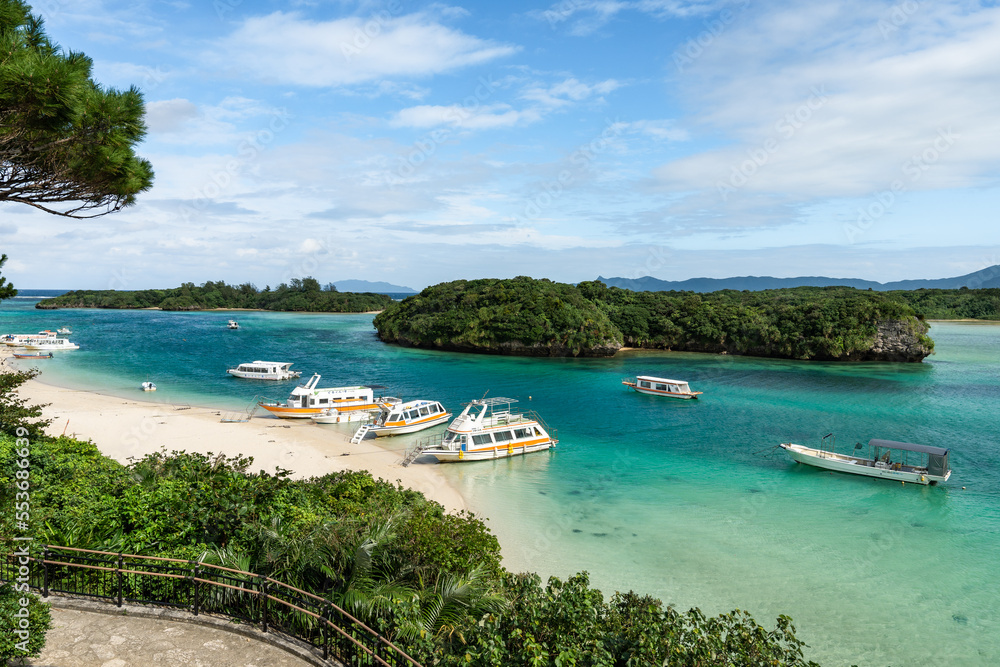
45	571
263	603
197	588
324	632
118	572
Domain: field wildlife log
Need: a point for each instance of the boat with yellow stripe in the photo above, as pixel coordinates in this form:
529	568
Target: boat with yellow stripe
308	400
409	417
489	429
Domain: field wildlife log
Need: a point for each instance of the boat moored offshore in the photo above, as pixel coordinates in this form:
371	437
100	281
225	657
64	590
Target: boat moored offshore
50	344
22	340
265	370
647	384
487	429
886	459
308	400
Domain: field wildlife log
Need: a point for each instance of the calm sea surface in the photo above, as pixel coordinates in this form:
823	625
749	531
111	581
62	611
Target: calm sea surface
685	500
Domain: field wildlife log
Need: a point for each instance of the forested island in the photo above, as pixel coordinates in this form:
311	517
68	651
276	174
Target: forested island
525	316
302	295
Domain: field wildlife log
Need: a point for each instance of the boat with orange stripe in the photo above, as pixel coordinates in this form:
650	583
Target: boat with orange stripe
409	417
647	384
308	400
488	429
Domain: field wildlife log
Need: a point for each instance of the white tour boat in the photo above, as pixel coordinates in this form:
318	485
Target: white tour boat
409	417
307	400
50	344
21	340
645	384
233	324
264	370
65	331
487	429
887	459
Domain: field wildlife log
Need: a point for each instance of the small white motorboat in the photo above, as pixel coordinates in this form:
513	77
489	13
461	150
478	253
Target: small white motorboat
409	417
233	324
886	459
264	370
148	386
646	384
65	331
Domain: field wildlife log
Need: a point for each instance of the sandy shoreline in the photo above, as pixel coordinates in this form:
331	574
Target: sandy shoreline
126	428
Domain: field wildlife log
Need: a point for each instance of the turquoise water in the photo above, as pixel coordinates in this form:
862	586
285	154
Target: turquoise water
686	500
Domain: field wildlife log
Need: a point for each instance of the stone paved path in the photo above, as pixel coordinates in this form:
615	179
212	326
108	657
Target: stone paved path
89	639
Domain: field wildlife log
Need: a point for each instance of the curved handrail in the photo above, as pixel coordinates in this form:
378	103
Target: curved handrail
356	635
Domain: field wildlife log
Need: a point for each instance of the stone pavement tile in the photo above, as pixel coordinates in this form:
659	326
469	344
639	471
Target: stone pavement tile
88	639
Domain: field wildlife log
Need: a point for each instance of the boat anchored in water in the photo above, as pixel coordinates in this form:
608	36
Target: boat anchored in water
307	400
50	344
233	324
264	370
148	386
886	459
487	429
21	340
646	384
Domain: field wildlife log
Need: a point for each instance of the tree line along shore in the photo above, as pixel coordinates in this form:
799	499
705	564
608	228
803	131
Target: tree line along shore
300	295
532	317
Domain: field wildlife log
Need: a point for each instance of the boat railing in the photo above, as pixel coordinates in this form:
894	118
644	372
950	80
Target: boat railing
534	416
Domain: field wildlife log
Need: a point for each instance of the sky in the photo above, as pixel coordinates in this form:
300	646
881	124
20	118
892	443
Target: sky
417	143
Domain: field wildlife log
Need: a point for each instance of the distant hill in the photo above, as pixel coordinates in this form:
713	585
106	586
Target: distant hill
988	277
368	286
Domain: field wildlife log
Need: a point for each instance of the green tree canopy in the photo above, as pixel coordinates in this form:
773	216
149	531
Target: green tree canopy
66	143
6	289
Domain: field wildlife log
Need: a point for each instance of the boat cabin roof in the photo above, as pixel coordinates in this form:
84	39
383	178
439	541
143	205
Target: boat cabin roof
908	446
662	380
267	363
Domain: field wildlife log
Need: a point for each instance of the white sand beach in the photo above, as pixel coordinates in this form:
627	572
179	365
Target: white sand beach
127	428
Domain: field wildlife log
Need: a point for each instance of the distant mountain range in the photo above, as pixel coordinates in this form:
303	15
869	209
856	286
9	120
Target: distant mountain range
988	277
368	286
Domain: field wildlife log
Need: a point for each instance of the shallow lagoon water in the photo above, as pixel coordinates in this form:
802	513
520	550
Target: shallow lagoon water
685	500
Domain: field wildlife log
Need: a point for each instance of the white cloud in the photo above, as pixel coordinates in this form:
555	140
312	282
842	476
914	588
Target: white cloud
852	109
586	16
284	47
455	115
568	91
170	115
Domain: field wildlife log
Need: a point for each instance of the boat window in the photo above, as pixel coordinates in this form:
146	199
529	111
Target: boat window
644	384
483	439
522	433
394	417
502	436
323	401
436	408
661	387
424	412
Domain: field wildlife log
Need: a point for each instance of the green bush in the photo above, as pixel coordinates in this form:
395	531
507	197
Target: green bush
16	640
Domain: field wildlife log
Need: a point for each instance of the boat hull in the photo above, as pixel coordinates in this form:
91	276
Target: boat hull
668	394
855	466
381	431
489	453
262	376
342	417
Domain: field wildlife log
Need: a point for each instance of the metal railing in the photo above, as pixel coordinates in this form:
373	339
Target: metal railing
204	588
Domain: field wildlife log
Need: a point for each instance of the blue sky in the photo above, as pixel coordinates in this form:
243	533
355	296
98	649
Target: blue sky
422	142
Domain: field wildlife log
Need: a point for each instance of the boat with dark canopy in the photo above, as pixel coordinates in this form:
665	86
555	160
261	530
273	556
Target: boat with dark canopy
887	459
